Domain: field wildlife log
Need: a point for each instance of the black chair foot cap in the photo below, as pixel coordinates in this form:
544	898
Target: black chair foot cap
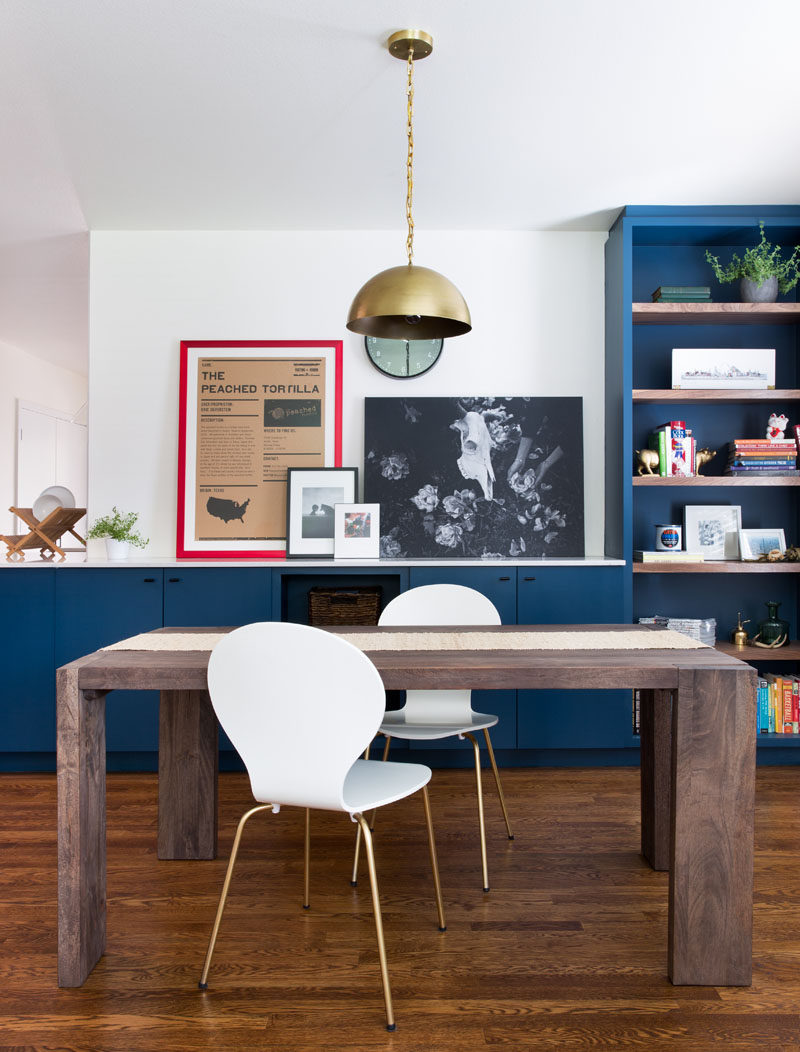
511	837
353	883
202	986
306	907
486	889
391	1026
444	928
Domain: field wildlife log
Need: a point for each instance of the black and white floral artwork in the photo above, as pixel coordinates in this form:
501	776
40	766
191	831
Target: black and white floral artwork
476	477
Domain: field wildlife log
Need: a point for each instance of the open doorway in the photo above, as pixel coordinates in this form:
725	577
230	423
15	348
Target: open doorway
51	451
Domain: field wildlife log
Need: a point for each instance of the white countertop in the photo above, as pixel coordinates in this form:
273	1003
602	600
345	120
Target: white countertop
141	562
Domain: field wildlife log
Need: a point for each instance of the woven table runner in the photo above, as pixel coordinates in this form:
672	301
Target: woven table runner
654	639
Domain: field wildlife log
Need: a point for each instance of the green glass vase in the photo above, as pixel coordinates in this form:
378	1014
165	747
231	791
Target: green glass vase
773	631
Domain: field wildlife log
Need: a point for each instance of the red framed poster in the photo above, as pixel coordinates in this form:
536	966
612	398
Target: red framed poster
249	410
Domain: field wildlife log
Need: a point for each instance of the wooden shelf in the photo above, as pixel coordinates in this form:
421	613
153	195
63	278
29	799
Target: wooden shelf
731	566
716	480
645	395
757	655
715	313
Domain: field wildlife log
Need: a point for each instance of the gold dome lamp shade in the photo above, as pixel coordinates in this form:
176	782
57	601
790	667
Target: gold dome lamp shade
409	302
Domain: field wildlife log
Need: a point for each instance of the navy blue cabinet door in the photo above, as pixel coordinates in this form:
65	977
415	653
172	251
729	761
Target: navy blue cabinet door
217	596
572	719
98	607
27	686
501	587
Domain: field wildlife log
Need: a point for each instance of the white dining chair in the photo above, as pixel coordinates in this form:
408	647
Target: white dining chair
429	715
300	706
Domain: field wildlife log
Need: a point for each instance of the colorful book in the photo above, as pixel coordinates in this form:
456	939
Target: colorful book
763	443
763	706
658	442
641	556
769	473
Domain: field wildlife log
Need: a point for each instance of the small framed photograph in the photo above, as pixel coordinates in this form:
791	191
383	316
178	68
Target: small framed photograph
357	531
754	543
712	529
311	496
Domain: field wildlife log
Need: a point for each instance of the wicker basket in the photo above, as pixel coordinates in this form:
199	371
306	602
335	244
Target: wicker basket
344	606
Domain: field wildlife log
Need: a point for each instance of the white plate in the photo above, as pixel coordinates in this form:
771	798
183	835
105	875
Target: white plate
51	498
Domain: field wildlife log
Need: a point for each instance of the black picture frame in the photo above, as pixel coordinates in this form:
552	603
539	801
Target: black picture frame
311	494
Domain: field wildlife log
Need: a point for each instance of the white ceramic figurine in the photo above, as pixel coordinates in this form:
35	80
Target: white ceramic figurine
776	426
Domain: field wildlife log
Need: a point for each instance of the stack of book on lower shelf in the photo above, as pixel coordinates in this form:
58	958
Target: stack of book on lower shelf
672	555
704	630
758	457
778	704
682	294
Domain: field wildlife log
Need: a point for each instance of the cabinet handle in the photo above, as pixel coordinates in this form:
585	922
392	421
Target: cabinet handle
528	578
174	580
149	580
503	578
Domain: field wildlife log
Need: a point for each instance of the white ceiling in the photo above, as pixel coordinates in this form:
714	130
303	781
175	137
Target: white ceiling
290	114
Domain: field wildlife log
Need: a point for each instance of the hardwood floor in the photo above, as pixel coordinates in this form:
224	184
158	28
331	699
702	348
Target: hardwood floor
568	951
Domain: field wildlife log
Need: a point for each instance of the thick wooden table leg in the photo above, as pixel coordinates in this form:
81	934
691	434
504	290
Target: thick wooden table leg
187	775
81	745
655	714
713	800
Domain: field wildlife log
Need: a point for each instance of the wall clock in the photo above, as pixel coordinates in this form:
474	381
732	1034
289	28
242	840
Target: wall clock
403	359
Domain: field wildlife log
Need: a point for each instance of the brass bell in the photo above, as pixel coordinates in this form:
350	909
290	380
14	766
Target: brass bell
739	636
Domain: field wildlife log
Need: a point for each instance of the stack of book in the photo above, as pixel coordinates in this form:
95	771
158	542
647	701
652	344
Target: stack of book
682	294
778	704
704	630
672	556
755	457
675	447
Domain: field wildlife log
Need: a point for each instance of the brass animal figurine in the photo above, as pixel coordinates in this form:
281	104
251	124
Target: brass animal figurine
647	459
702	457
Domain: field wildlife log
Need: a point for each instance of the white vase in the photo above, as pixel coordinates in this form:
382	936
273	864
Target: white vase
117	549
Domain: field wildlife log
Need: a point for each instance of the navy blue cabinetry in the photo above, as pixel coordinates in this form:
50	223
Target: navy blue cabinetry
569	719
28	690
501	587
98	607
217	596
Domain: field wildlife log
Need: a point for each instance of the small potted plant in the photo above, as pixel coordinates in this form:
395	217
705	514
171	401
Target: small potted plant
761	271
118	531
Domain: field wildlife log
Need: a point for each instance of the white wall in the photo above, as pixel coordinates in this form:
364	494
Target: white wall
536	300
33	380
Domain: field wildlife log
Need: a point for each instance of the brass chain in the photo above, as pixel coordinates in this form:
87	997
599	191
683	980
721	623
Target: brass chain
410	161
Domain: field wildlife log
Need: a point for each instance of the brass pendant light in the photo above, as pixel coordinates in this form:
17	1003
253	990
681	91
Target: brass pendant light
409	302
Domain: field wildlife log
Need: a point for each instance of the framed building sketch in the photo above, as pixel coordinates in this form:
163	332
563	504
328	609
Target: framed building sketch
249	410
477	477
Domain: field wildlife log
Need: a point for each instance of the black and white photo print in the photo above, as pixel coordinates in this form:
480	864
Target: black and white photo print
476	477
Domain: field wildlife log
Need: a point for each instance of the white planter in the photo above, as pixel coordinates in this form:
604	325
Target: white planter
117	549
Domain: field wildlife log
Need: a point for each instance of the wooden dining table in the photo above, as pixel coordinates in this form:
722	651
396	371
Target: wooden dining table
698	749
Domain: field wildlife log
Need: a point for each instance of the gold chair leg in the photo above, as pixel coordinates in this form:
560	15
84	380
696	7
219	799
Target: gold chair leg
493	762
479	788
376	907
307	860
357	852
434	863
203	984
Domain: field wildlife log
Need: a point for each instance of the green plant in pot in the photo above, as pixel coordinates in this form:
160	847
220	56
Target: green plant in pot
117	529
761	271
